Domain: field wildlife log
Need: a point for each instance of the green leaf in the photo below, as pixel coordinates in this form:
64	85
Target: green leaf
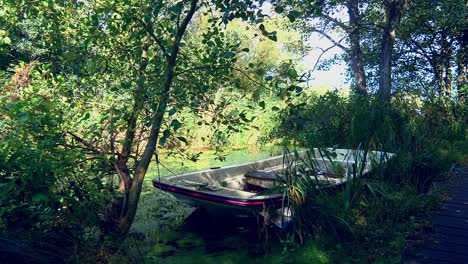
163	139
39	197
243	117
176	8
262	104
260	71
292	16
183	140
172	111
292	73
7	40
272	36
279	9
176	124
262	29
147	19
229	54
298	90
23	117
294	87
275	108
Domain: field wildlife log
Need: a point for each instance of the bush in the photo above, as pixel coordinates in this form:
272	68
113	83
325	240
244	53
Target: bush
45	185
373	215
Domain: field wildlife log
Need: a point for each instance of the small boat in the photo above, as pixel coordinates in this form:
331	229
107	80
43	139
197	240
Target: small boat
249	189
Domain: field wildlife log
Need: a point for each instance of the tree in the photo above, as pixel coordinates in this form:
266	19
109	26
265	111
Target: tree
432	44
156	33
393	12
360	28
325	18
129	67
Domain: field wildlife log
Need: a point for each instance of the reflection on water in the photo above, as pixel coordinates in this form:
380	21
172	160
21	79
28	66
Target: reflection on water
201	239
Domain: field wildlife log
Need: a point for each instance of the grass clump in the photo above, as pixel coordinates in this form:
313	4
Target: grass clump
368	220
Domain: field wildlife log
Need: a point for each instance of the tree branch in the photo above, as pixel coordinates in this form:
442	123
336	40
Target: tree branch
149	30
337	22
88	146
323	53
337	43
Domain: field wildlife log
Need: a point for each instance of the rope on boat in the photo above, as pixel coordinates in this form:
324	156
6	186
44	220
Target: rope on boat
157	165
158	162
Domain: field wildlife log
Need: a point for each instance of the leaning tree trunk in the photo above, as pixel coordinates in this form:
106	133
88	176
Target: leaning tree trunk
393	12
355	52
133	194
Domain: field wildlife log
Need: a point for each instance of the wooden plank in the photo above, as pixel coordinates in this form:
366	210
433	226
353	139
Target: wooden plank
461	184
449	244
455	222
455	185
452	232
457	206
460	191
444	257
451	240
459	198
454	211
446	246
457	201
419	259
262	175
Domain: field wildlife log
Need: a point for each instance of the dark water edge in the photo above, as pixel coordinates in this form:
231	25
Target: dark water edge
168	231
203	237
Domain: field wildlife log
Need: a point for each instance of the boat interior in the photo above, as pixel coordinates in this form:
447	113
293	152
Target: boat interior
257	180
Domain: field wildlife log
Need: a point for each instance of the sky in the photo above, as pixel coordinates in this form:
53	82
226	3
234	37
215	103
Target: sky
335	76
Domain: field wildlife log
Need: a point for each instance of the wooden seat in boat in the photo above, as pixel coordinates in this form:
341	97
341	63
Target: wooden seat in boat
262	178
262	175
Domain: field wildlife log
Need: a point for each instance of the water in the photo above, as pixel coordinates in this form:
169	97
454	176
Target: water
201	239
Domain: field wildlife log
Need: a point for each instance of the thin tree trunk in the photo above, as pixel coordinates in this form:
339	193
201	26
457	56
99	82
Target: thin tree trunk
439	75
446	72
393	10
448	75
462	67
134	193
122	167
462	81
355	52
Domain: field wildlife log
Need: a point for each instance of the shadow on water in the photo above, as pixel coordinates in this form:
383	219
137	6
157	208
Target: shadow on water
203	238
171	232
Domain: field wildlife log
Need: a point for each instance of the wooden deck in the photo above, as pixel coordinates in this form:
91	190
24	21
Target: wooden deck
449	242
